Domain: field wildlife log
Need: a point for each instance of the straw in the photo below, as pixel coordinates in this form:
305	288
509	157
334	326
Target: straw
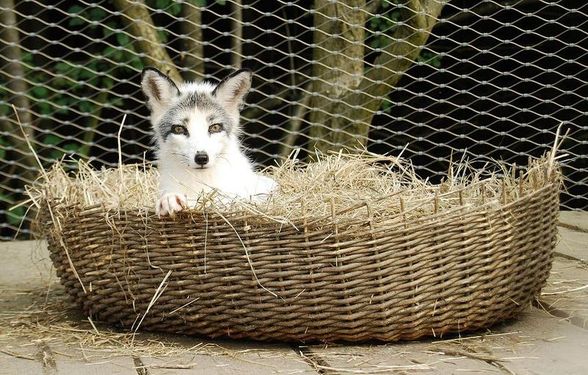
356	246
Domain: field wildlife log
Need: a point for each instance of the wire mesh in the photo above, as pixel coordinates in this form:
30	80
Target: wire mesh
434	80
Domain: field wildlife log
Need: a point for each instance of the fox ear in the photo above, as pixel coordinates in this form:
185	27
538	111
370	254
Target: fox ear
231	91
159	89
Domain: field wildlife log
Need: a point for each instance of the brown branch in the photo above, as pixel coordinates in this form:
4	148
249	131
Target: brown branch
420	16
141	26
337	69
487	9
296	122
194	49
15	83
94	122
352	113
237	41
372	6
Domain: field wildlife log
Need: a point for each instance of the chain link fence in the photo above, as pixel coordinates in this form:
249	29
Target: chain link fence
436	80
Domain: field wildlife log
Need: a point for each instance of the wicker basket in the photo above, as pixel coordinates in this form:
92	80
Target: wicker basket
391	279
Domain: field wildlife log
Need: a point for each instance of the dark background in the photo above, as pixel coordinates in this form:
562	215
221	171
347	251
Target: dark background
493	83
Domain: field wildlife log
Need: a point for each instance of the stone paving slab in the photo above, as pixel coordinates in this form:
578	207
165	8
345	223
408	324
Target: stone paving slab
573	244
25	264
224	356
196	355
402	357
577	220
566	293
537	343
40	357
16	364
542	345
251	361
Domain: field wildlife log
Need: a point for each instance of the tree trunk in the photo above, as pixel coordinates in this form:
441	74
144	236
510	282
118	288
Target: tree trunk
339	38
343	119
17	88
141	26
237	40
193	47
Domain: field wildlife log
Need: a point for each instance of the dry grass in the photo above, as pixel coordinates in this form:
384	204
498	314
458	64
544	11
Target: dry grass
44	315
344	186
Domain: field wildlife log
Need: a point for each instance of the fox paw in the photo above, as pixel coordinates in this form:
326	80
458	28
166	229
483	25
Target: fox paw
170	203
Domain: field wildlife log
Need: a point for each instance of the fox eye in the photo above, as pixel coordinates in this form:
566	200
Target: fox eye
179	129
215	128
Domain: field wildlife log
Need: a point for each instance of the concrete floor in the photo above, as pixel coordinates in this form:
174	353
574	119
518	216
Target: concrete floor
39	334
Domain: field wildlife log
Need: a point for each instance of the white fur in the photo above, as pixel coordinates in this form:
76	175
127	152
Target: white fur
228	171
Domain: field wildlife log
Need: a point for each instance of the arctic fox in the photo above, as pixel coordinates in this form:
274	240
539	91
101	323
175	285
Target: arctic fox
197	137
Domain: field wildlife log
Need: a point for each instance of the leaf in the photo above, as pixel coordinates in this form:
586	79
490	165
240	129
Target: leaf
5	109
175	9
44	107
162	4
51	140
107	82
374	23
3	145
198	3
162	35
55	154
75	21
15	216
113	53
136	62
39	91
62	67
387	105
122	39
75	9
27	57
97	14
72	147
395	16
86	107
86	73
116	102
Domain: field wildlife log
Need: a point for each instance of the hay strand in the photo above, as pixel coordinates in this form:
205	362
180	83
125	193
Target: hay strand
356	247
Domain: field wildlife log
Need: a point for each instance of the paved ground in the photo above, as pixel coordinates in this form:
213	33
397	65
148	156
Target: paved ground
40	335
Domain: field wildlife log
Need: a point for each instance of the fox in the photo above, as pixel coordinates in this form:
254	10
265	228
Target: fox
198	148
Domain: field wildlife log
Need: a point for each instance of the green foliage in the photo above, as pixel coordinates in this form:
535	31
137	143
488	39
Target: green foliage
381	27
3	145
387	105
172	7
4	108
429	58
69	89
382	24
14	215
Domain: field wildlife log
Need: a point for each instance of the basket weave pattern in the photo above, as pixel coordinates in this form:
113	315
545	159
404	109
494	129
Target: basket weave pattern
386	280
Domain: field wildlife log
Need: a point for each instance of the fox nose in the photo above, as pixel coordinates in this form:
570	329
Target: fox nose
201	158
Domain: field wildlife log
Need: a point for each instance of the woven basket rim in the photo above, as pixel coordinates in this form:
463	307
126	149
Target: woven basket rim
473	260
396	220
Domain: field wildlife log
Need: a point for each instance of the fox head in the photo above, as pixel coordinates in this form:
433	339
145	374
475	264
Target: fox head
195	122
